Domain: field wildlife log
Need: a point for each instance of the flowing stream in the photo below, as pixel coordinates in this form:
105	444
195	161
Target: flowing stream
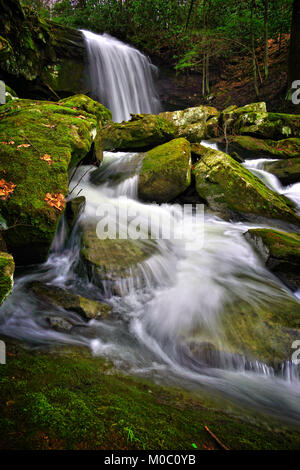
174	297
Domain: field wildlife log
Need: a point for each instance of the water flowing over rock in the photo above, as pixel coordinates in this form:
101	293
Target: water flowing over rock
120	77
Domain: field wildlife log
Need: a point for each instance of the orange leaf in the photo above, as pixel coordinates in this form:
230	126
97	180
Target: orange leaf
6	188
47	158
55	200
23	145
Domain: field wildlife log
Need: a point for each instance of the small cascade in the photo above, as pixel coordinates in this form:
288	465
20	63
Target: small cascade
120	77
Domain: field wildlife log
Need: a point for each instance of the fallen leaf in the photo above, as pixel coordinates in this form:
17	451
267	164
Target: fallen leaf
47	158
23	145
10	402
55	200
6	188
11	142
49	125
81	116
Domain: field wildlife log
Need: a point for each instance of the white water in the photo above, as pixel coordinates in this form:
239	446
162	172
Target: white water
181	288
120	77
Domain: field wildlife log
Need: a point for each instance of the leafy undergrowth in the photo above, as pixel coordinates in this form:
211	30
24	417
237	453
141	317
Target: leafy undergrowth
70	400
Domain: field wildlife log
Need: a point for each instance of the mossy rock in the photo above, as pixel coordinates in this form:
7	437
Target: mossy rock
268	125
255	148
280	252
59	297
262	331
7	268
142	132
110	260
39	142
287	171
191	123
230	188
166	171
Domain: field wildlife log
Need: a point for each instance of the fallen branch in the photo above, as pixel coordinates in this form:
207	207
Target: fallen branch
216	438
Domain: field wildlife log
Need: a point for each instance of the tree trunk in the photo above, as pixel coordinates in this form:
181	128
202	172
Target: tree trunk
189	14
253	51
266	55
294	54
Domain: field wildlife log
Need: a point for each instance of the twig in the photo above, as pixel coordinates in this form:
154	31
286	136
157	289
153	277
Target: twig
80	180
35	148
216	438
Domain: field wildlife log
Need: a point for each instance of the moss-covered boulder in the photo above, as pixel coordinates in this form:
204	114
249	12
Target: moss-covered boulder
191	122
142	132
39	142
262	331
287	171
111	260
230	188
39	58
255	148
58	297
267	125
166	171
7	268
280	252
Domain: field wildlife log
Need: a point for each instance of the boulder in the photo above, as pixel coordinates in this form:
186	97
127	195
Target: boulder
253	147
38	57
142	132
230	189
59	297
287	171
7	268
107	261
166	171
280	252
74	209
39	142
191	123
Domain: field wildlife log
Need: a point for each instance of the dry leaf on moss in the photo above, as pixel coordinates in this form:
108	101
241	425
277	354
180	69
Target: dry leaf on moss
55	200
47	158
6	188
23	145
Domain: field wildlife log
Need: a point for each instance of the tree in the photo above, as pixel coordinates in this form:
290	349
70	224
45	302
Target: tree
294	53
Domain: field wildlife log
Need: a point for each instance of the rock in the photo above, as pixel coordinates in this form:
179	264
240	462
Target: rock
166	171
39	142
73	210
191	122
140	133
7	268
10	94
268	125
262	331
110	260
230	188
38	57
58	297
256	148
59	323
197	151
287	171
280	252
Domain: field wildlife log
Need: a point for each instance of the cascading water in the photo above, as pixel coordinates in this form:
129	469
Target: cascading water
120	77
182	287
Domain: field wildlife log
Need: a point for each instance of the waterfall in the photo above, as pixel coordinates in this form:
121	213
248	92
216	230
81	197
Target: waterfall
120	77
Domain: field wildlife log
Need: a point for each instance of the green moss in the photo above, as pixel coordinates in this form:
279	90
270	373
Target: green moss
70	400
7	267
46	128
111	259
286	148
229	187
166	171
142	132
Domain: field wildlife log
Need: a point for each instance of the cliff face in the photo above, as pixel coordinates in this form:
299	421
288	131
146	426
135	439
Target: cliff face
39	58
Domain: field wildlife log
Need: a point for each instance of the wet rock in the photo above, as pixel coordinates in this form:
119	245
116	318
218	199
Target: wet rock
230	188
281	253
59	297
73	210
287	171
166	171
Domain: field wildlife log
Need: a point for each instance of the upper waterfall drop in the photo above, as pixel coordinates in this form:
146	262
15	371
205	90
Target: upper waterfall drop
120	77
